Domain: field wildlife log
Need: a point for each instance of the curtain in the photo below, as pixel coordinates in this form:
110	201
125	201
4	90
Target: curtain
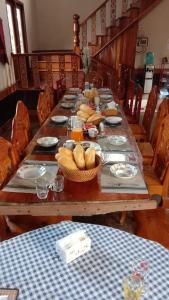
3	55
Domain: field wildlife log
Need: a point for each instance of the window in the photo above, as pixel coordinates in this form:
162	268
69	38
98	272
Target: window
17	28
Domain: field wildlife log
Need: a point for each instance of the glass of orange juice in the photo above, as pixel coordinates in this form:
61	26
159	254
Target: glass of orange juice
77	134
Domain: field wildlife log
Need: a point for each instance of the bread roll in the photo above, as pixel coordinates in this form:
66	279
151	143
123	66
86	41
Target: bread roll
65	152
90	157
57	155
82	115
94	117
85	108
110	112
78	154
67	163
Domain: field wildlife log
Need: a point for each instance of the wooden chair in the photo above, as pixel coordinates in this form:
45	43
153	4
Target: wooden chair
134	118
142	132
157	175
147	149
49	94
128	103
8	160
42	108
20	128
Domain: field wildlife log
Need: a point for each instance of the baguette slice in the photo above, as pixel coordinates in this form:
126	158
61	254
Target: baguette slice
90	157
65	152
85	108
94	118
83	115
67	163
78	154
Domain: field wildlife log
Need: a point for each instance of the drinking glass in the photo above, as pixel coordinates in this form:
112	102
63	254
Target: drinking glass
58	184
77	134
42	187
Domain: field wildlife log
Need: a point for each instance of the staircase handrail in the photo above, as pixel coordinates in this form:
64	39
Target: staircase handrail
137	19
94	12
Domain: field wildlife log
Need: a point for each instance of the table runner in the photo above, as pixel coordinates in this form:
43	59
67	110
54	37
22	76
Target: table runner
30	263
107	146
20	185
49	150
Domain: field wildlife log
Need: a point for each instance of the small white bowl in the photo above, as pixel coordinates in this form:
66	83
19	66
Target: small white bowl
113	120
47	141
59	119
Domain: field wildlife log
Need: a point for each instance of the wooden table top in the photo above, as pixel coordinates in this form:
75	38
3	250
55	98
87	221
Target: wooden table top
77	198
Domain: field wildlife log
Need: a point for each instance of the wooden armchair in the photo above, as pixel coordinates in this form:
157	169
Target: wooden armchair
148	149
142	132
157	175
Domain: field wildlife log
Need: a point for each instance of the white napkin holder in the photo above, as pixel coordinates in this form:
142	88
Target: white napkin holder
73	246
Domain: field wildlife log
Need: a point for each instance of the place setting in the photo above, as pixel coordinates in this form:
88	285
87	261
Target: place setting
113	121
115	143
122	177
30	174
48	145
70	97
57	121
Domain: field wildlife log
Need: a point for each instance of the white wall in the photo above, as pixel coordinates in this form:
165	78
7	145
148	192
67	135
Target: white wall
54	21
156	27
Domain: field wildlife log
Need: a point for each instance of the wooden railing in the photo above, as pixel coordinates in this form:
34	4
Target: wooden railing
34	70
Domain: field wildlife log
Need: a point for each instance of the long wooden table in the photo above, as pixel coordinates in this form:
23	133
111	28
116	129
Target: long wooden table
77	199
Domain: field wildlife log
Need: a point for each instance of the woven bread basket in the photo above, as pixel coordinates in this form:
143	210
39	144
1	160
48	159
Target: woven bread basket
82	175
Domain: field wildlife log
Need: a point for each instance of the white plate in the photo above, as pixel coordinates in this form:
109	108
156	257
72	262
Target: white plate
90	144
117	140
113	120
106	97
105	91
67	105
59	119
31	172
74	90
70	97
47	141
123	171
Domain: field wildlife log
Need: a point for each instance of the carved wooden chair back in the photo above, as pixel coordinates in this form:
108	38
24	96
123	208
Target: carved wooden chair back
49	94
137	105
150	109
163	111
128	105
8	160
42	108
19	137
22	115
20	128
161	157
61	87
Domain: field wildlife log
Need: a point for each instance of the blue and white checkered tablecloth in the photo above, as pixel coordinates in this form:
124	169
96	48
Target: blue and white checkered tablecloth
30	263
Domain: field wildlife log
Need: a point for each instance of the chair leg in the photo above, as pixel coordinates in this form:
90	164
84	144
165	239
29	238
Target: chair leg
3	228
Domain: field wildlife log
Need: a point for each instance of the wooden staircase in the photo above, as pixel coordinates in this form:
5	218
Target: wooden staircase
111	19
110	32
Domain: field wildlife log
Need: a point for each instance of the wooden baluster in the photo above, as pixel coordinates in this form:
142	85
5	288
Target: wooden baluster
124	7
23	71
74	60
93	29
76	33
35	71
113	12
84	34
49	71
61	67
103	19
